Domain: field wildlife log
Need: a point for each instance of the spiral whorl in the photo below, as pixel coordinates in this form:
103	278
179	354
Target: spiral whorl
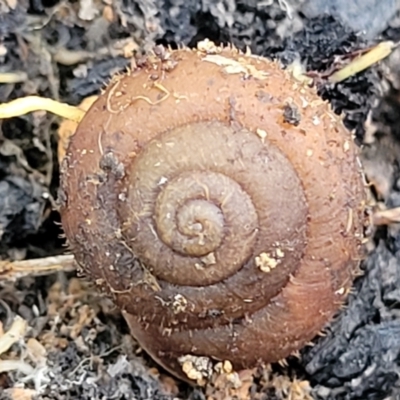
221	228
197	192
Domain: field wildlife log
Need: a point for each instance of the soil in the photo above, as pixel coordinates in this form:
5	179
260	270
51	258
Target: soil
68	342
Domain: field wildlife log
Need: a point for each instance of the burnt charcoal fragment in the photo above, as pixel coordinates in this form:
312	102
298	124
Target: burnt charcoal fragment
359	357
79	88
21	207
316	46
367	17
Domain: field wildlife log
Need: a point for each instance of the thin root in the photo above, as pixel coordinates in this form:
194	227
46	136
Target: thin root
24	105
158	86
111	94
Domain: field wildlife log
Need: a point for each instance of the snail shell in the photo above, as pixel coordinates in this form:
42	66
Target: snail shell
219	201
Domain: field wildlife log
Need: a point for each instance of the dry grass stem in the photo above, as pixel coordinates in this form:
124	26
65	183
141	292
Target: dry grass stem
376	54
13	270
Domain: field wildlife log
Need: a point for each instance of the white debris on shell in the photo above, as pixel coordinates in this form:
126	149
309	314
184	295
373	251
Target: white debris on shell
279	253
208	47
206	261
262	134
240	66
179	304
267	262
162	180
341	291
316	121
196	368
209	259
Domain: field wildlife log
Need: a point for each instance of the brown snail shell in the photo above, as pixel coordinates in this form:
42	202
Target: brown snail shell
219	201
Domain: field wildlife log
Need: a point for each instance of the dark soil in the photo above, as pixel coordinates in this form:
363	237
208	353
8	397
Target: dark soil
67	51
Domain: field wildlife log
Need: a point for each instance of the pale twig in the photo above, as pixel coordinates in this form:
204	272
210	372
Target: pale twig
386	217
16	365
13	270
13	335
19	393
